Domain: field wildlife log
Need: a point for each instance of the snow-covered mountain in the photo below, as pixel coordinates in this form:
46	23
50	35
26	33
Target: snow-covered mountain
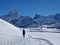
26	21
57	17
48	20
44	19
12	15
20	21
39	18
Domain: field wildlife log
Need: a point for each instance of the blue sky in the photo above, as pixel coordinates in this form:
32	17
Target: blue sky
30	7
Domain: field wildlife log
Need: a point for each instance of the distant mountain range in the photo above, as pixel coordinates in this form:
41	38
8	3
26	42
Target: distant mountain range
18	20
26	21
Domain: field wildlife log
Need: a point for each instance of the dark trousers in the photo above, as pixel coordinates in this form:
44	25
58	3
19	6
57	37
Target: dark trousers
23	35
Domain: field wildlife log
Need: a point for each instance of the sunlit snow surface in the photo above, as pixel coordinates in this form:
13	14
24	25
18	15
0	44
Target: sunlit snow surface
6	40
11	35
51	34
52	37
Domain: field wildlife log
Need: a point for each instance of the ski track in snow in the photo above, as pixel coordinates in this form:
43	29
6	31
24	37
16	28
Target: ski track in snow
26	41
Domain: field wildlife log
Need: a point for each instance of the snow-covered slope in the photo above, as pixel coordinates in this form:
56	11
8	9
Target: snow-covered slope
7	28
8	32
12	15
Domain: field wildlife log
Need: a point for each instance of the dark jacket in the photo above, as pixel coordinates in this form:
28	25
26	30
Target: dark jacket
23	33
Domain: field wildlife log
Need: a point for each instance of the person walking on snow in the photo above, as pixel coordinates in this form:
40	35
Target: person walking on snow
23	33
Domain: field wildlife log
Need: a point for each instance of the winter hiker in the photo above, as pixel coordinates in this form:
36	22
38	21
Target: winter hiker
23	33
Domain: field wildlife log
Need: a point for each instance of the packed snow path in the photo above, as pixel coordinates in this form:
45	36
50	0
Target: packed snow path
24	41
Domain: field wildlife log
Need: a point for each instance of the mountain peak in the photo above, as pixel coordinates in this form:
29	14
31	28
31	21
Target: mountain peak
37	16
13	12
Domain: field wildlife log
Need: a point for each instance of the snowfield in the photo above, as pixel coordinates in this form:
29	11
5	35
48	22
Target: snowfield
11	35
51	34
54	38
23	41
43	29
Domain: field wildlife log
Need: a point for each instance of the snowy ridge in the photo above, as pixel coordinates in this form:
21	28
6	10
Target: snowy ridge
7	28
